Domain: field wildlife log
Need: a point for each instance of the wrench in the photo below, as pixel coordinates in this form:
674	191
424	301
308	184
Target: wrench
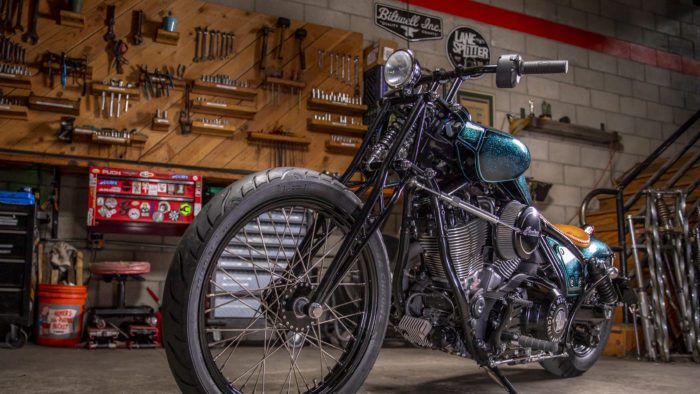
197	33
31	36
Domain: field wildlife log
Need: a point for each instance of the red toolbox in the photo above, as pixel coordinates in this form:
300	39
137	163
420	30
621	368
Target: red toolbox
142	201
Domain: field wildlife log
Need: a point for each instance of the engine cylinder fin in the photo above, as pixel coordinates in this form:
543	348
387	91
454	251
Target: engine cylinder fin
465	247
506	268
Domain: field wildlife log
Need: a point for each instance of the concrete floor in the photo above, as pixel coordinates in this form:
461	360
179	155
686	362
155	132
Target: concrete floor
39	369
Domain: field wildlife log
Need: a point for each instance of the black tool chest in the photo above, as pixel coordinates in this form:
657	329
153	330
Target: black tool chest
17	258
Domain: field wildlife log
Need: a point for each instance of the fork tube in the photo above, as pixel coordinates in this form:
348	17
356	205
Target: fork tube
359	233
365	143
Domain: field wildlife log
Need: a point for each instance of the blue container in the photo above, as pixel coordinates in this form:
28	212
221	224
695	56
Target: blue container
17	198
169	23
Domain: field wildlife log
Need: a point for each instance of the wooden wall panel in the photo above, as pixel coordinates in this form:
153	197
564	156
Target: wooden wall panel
167	148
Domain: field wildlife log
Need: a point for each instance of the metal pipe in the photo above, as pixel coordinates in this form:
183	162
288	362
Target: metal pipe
647	328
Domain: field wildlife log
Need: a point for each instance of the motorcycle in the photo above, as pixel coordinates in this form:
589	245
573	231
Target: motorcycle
283	282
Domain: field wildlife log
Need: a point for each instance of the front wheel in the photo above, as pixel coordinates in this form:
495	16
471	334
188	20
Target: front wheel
234	316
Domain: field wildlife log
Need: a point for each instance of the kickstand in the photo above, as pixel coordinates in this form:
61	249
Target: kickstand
500	379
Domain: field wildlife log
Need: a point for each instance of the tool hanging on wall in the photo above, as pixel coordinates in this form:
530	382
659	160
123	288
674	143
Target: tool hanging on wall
221	44
320	57
265	33
184	118
109	22
288	150
76	68
31	35
356	74
336	97
282	25
69	132
160	122
12	69
11	16
159	82
137	17
11	52
225	80
119	49
116	89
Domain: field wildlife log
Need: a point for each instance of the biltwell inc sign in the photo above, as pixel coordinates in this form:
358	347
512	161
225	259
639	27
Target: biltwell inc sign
467	48
410	25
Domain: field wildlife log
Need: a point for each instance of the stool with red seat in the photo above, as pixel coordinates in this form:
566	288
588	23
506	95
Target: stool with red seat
121	271
135	324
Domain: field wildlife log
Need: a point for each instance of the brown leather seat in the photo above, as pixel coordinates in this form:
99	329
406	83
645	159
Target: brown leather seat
575	234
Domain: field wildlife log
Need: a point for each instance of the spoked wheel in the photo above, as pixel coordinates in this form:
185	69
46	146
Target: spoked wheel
238	316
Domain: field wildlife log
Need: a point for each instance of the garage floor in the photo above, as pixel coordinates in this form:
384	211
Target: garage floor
399	370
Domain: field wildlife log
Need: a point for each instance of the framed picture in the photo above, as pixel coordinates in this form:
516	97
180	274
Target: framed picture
479	105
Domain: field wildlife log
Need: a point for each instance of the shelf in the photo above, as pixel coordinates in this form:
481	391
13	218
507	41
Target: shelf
335	107
98	88
221	90
167	37
9	111
266	137
160	124
135	139
56	66
14	81
342	148
53	104
223	109
566	130
335	127
178	84
285	82
72	19
213	129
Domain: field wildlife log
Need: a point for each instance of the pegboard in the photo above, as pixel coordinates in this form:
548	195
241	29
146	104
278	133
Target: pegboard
35	139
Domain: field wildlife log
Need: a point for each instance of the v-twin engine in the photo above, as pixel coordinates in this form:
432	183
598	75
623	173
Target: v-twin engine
465	244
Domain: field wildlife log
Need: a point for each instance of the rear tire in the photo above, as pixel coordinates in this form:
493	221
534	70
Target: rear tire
184	314
579	362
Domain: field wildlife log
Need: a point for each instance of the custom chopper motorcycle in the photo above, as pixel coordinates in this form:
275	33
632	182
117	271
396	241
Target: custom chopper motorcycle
283	282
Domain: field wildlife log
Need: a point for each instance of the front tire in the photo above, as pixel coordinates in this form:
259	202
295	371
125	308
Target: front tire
193	332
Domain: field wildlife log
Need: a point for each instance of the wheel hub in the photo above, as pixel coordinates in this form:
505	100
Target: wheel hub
286	308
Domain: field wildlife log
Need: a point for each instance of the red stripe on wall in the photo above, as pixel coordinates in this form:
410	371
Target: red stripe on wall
558	32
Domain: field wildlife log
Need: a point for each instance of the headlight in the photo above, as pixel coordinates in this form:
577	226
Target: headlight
401	69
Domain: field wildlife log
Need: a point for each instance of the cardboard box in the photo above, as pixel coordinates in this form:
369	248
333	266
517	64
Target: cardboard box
621	342
379	52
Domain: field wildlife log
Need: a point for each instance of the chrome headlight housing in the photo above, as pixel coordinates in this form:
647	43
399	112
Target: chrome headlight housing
401	69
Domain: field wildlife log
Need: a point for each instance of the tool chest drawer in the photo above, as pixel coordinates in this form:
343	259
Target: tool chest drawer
11	272
13	244
11	301
14	219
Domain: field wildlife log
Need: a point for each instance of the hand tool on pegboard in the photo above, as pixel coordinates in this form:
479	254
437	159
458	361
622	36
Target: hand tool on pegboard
137	17
356	74
282	25
119	49
31	35
109	22
184	119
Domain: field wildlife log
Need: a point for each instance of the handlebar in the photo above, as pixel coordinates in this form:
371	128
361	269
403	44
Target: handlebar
509	69
546	67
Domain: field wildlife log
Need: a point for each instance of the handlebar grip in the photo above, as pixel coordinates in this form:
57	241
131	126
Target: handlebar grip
546	67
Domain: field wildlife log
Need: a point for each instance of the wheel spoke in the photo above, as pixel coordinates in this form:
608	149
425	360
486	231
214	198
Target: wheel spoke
269	262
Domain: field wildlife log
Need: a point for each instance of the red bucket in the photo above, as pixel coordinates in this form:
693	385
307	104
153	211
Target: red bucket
60	315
